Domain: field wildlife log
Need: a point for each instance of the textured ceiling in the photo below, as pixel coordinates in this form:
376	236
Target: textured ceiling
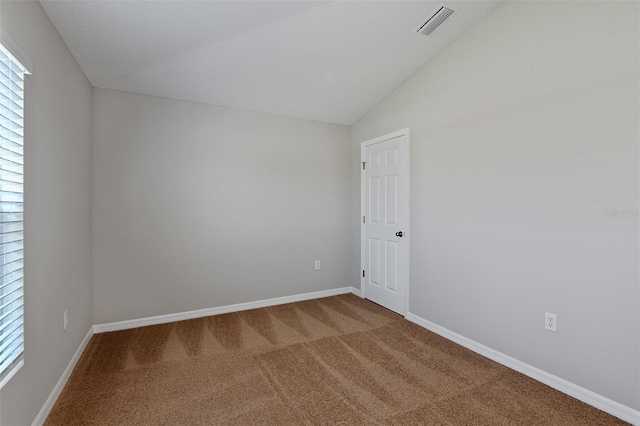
325	61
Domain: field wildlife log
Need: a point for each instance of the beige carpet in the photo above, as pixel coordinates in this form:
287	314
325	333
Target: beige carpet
338	360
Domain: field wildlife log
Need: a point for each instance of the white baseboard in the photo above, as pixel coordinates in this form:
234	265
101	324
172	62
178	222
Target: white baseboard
356	291
181	316
55	393
600	402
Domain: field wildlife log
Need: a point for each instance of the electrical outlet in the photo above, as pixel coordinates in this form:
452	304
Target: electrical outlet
317	265
551	322
65	320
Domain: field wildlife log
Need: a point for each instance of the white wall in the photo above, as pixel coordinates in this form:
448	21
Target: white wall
57	210
197	206
523	132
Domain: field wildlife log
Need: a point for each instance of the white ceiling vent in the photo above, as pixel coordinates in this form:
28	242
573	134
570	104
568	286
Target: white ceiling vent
434	21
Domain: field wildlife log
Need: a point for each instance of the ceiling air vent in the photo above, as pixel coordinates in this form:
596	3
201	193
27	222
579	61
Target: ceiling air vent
434	21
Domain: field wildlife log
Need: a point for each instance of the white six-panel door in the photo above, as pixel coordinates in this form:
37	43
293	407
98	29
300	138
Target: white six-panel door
385	220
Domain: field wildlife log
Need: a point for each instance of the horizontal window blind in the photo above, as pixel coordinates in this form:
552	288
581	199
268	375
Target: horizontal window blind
11	211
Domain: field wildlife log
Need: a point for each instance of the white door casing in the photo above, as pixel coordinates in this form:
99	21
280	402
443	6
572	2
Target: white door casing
385	232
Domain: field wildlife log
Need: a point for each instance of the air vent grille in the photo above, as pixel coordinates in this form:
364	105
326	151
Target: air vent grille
434	21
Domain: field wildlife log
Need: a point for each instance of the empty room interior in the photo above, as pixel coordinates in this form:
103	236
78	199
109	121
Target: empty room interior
319	212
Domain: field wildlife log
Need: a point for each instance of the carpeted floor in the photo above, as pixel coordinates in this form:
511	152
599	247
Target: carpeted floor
338	360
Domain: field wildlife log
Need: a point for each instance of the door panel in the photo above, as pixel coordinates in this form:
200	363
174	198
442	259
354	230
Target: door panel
391	254
374	199
374	261
391	196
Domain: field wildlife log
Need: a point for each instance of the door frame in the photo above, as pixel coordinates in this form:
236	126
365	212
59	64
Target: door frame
406	209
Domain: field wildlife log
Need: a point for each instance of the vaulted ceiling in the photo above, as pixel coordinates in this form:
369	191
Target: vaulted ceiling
325	61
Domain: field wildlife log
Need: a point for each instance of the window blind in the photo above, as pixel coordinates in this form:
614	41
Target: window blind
11	212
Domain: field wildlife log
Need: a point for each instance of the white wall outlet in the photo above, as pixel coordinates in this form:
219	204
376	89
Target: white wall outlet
551	322
317	265
65	320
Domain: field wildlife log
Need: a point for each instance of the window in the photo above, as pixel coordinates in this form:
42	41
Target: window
11	214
